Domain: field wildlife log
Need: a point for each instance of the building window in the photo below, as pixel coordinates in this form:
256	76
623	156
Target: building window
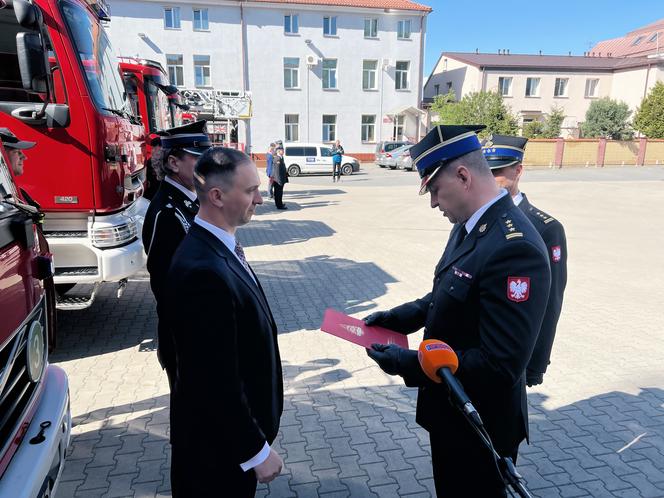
505	86
291	72
561	87
397	130
436	89
637	40
403	29
449	86
329	74
532	87
591	87
401	75
172	18
330	26
292	124
653	37
291	24
369	75
371	28
201	20
175	69
329	127
368	127
202	70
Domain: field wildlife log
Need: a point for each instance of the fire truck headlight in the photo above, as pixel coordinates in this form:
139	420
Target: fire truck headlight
35	351
106	236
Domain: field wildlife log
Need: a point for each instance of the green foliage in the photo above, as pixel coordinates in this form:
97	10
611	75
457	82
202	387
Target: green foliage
649	117
607	118
533	129
553	122
487	108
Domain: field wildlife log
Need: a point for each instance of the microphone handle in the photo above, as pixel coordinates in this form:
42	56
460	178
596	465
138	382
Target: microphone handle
459	396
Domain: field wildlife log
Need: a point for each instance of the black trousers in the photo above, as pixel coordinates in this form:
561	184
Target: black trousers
336	171
278	195
464	467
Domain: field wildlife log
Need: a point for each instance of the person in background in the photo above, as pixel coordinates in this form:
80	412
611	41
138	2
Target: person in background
279	178
505	155
269	158
337	153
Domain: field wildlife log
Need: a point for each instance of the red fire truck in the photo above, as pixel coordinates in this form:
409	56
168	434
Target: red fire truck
35	420
60	87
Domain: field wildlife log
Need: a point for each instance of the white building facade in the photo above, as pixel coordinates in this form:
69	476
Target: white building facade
314	71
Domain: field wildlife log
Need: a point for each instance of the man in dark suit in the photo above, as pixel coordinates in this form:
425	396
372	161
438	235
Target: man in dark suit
505	155
279	178
228	395
168	218
488	299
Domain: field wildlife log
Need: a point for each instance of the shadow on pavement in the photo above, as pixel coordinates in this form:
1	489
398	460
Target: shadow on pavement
279	232
299	292
361	442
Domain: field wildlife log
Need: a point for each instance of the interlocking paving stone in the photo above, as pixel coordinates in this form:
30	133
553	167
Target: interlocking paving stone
349	430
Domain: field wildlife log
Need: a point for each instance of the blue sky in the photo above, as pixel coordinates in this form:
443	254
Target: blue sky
525	27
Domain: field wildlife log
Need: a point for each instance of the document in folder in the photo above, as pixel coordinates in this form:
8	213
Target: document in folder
354	330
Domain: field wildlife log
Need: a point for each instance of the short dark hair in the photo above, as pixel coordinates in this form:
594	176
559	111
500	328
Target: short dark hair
216	168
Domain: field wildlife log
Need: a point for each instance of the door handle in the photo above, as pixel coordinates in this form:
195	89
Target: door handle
27	115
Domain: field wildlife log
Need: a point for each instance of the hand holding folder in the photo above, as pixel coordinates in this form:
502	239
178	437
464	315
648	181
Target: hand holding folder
356	331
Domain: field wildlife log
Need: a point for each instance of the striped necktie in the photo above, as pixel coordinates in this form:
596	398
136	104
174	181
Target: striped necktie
240	254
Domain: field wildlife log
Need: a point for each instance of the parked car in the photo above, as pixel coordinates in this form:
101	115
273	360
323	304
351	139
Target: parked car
382	148
392	158
302	158
404	161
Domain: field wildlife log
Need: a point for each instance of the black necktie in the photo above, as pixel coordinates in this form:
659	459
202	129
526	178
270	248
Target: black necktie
457	238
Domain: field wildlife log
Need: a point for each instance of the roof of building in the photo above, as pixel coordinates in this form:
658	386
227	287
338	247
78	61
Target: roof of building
646	40
527	61
370	4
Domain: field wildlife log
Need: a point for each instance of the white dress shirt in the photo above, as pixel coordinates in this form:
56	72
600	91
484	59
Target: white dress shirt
472	221
181	188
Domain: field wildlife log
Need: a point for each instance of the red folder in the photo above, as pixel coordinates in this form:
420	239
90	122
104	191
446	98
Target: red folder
354	330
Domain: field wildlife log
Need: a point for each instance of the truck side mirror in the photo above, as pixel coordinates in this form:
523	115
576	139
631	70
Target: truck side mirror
169	89
27	14
30	51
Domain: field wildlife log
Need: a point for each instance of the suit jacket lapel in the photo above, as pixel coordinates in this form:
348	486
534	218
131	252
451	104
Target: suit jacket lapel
234	265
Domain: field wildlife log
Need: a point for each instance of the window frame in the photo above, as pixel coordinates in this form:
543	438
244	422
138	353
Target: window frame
290	126
596	88
369	72
564	94
179	66
510	80
207	18
293	70
293	22
373	26
537	93
401	31
208	66
173	10
366	139
332	130
332	23
399	74
326	79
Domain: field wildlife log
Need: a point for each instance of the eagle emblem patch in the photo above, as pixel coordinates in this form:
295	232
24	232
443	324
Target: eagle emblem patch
518	289
556	253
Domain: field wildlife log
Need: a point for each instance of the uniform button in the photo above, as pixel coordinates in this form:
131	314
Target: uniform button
430	305
451	287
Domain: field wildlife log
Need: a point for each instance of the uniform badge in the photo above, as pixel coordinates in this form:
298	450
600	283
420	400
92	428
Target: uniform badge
556	253
518	289
483	228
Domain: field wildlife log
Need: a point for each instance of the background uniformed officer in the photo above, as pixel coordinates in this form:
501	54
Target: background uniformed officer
505	155
489	295
169	216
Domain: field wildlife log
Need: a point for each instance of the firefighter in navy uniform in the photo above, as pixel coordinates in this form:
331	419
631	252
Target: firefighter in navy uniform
169	217
488	299
505	155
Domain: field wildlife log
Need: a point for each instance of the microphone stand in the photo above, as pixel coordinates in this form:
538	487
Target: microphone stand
506	468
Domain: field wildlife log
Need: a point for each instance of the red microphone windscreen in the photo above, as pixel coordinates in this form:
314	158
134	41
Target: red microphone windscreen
434	355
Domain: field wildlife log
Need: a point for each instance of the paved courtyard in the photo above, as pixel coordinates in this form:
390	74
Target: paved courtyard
369	243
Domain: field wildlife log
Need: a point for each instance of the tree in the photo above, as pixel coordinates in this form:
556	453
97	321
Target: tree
533	129
649	117
553	122
607	118
487	108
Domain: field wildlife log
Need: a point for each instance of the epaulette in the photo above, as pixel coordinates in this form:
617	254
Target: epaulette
509	230
542	216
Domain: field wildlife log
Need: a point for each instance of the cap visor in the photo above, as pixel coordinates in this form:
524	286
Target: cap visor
503	163
23	144
424	186
195	151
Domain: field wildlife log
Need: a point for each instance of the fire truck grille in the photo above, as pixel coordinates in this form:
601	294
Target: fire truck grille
17	389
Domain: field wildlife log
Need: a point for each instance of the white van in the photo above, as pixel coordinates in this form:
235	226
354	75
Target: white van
302	158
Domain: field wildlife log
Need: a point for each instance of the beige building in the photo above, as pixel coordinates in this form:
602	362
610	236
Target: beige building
532	84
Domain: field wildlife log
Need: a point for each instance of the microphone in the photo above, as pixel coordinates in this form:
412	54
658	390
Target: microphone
439	362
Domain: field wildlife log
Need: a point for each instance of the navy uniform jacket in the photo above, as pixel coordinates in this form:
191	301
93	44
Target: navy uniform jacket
167	221
488	300
228	397
553	235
